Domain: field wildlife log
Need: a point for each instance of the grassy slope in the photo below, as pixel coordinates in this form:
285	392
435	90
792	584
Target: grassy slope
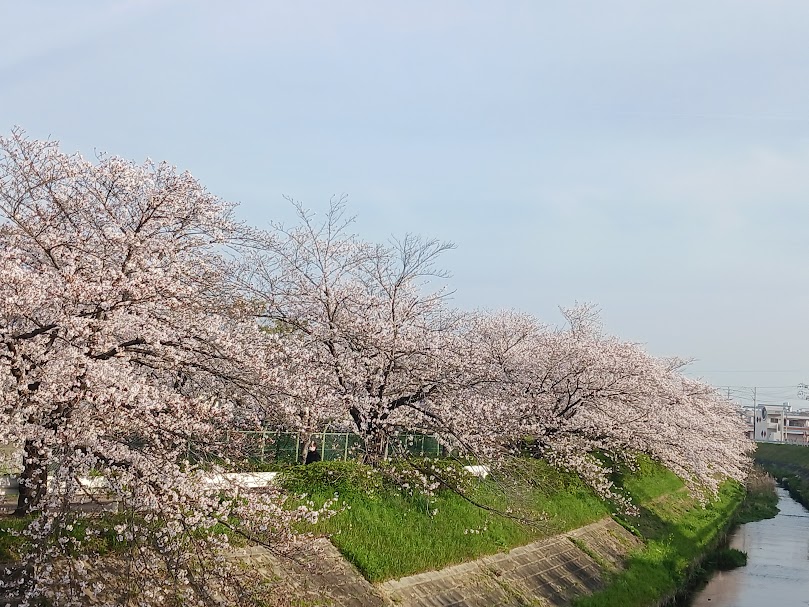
96	533
679	534
388	534
678	531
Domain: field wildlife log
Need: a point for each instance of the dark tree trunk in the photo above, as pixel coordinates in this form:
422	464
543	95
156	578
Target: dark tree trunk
33	480
371	426
375	442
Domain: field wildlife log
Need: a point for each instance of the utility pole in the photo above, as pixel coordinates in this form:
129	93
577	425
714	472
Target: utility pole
755	416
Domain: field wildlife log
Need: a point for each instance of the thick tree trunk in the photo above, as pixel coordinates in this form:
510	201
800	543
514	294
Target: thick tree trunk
371	426
33	480
375	442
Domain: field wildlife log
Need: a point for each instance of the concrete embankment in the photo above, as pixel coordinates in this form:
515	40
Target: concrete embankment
602	557
549	572
599	564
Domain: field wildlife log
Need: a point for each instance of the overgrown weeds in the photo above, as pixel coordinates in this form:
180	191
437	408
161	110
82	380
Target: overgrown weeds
761	500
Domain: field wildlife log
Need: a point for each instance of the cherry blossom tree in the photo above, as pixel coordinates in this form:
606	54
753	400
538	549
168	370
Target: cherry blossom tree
580	399
121	342
375	347
138	321
378	345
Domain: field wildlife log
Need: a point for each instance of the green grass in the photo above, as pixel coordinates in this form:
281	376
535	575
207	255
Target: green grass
726	559
684	541
96	533
648	482
387	533
760	501
678	532
789	464
11	544
795	456
390	533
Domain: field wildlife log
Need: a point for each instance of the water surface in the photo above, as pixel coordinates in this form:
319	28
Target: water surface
777	571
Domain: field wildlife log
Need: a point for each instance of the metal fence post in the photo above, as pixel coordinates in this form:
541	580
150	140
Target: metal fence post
323	449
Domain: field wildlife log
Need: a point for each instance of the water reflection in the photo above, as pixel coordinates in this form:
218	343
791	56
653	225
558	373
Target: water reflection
777	571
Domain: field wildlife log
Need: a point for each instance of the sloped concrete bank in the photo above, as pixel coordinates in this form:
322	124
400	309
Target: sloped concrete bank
555	571
549	572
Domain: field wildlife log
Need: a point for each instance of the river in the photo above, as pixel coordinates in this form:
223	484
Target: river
777	571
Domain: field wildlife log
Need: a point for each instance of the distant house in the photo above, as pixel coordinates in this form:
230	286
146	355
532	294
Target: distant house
778	423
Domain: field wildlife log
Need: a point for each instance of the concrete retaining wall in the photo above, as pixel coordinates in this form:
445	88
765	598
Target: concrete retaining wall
549	572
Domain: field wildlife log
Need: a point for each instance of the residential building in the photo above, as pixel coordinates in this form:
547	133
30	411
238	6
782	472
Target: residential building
778	423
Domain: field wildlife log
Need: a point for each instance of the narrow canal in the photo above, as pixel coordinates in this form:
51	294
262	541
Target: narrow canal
777	571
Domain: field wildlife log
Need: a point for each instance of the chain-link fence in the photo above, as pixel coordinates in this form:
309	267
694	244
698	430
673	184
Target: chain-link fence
294	447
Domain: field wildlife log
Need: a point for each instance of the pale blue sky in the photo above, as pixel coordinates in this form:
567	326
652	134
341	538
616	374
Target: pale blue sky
650	157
